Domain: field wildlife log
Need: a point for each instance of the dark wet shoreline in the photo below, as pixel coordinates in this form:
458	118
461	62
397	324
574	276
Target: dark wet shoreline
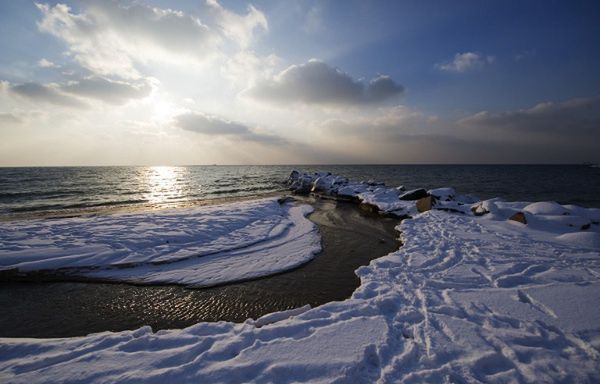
350	238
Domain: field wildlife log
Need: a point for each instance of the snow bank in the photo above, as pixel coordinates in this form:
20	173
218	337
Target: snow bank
466	299
195	247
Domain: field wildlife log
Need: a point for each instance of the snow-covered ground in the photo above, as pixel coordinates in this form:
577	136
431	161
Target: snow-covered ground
195	247
471	296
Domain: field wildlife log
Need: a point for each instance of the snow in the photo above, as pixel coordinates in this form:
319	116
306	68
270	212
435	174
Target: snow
546	208
195	247
446	193
278	316
466	299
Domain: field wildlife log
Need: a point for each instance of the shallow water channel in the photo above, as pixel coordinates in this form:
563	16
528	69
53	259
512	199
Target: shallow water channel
350	238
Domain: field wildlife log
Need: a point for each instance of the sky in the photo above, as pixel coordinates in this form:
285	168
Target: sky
156	82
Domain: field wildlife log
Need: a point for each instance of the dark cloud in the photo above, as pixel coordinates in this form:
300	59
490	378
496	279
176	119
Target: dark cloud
216	126
315	82
109	91
70	94
210	125
46	94
570	118
546	133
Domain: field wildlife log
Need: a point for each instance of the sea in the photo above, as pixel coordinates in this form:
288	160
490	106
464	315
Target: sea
27	192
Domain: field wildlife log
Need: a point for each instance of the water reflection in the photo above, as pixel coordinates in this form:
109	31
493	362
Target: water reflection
165	184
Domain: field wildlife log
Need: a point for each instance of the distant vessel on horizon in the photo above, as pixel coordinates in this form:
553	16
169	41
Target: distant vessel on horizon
590	164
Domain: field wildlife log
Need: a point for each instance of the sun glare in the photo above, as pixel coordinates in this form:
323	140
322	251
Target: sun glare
164	184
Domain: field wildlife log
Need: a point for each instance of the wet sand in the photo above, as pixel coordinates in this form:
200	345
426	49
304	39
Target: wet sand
350	238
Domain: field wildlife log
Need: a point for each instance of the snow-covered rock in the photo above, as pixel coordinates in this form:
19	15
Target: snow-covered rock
444	194
546	208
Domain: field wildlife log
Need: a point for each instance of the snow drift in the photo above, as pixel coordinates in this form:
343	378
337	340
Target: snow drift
195	247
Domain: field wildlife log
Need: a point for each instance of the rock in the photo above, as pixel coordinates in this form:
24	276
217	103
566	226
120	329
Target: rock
373	183
285	199
520	217
585	227
479	210
444	194
369	207
401	188
293	177
466	199
415	194
425	204
321	184
546	208
302	185
397	214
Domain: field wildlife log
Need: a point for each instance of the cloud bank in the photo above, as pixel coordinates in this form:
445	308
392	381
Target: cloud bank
315	82
216	126
50	94
554	132
569	119
74	93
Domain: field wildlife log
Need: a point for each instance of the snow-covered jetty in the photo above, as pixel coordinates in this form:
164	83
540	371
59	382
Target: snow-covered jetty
569	222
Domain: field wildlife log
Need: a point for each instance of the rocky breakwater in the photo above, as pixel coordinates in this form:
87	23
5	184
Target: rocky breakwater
378	198
567	223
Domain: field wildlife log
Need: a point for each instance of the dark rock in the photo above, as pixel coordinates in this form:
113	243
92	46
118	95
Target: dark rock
520	217
285	199
373	183
449	209
415	194
369	207
585	226
397	214
294	174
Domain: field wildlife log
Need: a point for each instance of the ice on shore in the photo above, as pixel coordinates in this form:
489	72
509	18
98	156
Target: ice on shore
471	296
195	247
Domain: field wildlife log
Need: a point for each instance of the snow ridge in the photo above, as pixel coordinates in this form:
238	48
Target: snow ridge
195	247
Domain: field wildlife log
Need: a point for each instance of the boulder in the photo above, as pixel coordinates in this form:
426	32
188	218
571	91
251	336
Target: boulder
302	185
321	184
466	199
425	204
293	177
285	199
520	217
546	208
444	194
414	194
479	210
374	183
369	207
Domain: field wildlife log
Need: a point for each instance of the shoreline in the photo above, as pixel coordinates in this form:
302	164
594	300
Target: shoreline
134	208
329	277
